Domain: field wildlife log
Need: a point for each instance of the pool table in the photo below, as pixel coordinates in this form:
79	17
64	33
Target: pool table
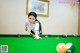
25	43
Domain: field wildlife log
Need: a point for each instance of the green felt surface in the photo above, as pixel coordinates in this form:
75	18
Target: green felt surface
31	45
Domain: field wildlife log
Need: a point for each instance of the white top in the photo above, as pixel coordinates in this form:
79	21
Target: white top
32	26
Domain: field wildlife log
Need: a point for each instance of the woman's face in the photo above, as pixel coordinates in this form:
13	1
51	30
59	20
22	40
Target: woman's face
31	19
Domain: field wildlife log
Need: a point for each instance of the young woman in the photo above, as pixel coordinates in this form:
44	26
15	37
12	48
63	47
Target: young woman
33	26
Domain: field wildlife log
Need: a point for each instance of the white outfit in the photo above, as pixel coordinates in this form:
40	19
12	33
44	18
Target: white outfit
32	26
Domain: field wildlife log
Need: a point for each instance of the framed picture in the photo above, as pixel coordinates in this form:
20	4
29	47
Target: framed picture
39	6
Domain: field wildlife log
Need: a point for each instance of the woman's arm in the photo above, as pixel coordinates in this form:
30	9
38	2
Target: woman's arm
26	27
37	34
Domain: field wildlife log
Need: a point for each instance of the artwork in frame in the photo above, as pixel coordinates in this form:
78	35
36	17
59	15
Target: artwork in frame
39	6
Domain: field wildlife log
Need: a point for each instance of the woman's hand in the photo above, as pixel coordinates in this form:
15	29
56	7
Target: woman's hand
26	29
37	37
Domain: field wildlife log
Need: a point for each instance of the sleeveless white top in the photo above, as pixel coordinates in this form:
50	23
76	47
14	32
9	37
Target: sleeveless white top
32	26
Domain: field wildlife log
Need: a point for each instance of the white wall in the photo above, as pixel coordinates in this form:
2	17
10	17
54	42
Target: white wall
62	18
79	21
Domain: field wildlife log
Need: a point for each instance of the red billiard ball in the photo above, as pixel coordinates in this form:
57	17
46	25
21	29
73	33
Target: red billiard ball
18	35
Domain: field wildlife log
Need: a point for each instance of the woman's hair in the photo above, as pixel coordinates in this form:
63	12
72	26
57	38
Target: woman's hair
35	15
32	14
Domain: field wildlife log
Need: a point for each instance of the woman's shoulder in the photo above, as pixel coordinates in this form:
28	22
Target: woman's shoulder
37	23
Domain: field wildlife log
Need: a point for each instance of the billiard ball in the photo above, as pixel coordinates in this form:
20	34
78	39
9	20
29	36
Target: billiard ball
63	35
66	35
75	35
18	35
70	48
46	35
61	48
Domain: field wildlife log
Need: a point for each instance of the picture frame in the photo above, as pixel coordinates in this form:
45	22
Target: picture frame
38	6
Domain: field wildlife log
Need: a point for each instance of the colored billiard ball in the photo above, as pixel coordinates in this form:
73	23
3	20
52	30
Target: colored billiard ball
75	35
70	47
66	35
18	35
61	48
63	35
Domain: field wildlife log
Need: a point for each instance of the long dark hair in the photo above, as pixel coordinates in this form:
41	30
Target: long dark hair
35	15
